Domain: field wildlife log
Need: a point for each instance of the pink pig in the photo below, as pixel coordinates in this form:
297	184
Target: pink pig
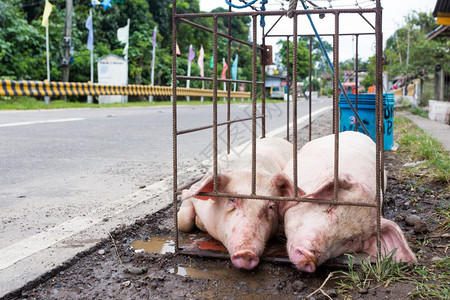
318	232
243	225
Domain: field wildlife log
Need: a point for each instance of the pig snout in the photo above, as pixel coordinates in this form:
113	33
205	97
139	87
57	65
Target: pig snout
245	260
303	259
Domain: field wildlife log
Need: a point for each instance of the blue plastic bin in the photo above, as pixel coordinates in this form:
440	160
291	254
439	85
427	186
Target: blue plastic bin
366	112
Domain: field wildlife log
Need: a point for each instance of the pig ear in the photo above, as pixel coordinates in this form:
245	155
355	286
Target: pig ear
326	191
205	185
285	188
392	238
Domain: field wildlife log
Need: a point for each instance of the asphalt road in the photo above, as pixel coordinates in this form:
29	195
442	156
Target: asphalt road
63	171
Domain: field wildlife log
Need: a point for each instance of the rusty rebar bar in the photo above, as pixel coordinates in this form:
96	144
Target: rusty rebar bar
183	77
174	125
288	87
228	85
263	90
310	89
295	96
336	105
379	116
218	33
356	78
215	153
365	19
274	24
279	198
322	35
254	70
218	124
275	13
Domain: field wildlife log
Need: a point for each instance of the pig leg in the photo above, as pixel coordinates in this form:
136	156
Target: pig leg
199	224
186	216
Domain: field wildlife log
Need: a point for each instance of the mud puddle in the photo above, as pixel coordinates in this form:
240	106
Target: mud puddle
231	277
161	245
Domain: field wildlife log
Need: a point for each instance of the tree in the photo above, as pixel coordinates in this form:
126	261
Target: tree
369	80
302	57
318	56
22	45
22	39
421	53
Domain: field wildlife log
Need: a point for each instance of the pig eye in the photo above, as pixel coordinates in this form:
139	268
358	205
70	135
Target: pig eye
232	200
272	206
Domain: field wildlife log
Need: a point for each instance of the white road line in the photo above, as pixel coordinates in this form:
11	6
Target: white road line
299	120
41	122
33	244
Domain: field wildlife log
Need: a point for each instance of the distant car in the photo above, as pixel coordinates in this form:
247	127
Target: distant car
276	92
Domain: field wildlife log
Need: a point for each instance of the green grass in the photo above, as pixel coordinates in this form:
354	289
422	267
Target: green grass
430	282
442	215
415	145
419	111
384	271
26	103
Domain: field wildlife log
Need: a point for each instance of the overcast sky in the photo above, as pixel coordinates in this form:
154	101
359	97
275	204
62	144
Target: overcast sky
394	12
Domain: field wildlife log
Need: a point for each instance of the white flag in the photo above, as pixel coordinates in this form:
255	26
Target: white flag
122	36
47	11
200	61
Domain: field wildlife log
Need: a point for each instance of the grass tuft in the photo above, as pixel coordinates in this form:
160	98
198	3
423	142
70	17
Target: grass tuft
415	145
442	214
385	270
419	111
433	282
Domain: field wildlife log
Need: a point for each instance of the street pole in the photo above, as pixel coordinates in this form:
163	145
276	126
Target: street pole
90	98
150	98
407	50
188	82
47	98
67	41
441	85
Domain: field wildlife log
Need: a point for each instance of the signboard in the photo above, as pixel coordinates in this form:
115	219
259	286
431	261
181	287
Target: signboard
112	70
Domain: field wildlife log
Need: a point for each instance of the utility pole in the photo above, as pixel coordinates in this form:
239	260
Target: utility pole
67	41
407	50
398	49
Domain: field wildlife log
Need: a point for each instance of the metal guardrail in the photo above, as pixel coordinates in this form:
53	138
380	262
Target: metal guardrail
53	88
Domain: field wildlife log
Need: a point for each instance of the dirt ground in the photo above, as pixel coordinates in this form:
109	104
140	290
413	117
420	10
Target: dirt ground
116	270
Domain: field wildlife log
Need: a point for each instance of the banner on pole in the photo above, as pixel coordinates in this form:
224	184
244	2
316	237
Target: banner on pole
89	26
234	68
47	11
191	54
123	36
154	36
200	61
224	70
154	46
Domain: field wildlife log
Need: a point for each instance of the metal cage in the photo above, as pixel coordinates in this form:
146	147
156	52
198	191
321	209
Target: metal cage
261	50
